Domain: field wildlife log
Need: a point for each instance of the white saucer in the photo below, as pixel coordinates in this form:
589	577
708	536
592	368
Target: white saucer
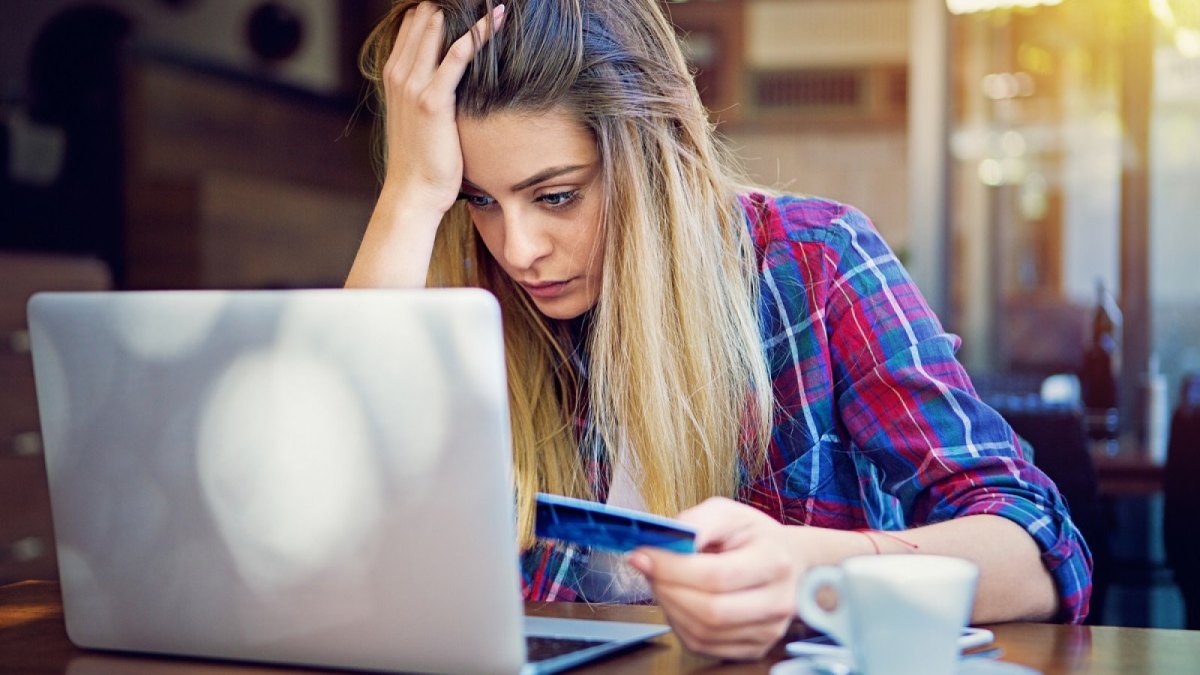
808	665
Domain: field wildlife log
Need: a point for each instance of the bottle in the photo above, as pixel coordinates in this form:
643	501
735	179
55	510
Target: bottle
1101	363
1154	391
1101	355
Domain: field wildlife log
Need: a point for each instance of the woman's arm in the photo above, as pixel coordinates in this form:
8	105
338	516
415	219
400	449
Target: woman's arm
1014	584
424	158
950	461
736	597
397	246
894	395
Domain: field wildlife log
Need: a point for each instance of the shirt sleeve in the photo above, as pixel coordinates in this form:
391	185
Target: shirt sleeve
909	405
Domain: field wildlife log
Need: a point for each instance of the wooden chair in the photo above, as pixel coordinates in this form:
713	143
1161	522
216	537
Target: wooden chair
1061	450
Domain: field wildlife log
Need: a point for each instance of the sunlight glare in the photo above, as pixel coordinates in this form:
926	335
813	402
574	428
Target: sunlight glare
971	6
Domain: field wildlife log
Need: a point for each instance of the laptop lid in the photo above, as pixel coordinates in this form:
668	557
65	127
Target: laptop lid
312	477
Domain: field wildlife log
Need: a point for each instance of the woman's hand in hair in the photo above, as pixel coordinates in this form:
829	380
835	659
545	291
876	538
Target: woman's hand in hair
736	597
424	159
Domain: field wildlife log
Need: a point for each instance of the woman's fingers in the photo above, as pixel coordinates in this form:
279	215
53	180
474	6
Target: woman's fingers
424	157
413	30
429	43
401	37
731	625
745	641
413	67
713	618
724	572
717	613
751	648
463	50
735	598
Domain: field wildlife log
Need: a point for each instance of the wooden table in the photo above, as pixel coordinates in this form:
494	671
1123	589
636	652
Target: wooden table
1129	472
1124	468
33	640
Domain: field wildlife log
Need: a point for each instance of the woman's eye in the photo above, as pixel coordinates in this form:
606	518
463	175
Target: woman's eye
559	198
477	201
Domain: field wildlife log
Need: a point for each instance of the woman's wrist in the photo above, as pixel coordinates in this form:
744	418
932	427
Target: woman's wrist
397	246
398	207
418	195
813	546
887	542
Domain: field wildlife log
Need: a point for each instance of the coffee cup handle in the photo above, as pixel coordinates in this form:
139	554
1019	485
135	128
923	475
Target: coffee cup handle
833	623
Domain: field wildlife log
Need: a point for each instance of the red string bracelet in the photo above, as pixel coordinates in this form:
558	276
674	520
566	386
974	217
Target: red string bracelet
870	539
867	533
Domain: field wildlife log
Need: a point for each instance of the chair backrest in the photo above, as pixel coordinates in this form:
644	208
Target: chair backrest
1183	445
1189	391
1183	463
1181	500
1060	445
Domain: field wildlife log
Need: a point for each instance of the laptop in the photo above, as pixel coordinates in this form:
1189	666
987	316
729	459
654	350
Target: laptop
312	477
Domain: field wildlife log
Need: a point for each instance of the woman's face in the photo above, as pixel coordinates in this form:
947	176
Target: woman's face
533	187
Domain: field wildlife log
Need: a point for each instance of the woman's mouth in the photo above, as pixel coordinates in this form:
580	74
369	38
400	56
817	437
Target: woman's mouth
546	290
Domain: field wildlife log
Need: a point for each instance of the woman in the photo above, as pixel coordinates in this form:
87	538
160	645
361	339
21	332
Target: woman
759	365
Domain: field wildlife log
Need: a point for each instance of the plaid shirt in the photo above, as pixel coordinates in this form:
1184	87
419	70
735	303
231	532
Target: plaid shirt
877	424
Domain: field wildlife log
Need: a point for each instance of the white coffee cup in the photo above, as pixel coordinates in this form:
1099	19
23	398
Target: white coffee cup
897	614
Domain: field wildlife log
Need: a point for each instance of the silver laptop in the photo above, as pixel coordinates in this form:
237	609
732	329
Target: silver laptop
318	477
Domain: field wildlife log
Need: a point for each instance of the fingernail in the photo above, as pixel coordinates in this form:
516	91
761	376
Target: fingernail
498	10
641	562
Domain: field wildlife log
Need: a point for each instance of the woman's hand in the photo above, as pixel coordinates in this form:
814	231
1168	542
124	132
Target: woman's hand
735	597
424	159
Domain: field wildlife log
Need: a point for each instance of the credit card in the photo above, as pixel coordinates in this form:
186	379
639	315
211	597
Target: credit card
609	528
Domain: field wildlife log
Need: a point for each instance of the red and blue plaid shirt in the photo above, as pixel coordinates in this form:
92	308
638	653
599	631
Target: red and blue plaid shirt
877	425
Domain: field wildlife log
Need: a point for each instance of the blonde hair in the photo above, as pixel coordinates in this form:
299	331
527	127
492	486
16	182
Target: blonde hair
676	370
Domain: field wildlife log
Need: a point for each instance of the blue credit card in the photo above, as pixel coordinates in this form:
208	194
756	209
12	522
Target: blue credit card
610	528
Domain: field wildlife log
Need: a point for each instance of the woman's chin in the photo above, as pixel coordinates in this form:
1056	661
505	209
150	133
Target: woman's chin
564	307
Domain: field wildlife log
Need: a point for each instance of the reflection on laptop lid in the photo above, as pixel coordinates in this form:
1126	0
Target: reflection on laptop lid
309	477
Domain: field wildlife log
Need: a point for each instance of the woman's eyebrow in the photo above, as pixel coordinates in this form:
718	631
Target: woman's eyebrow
547	174
539	177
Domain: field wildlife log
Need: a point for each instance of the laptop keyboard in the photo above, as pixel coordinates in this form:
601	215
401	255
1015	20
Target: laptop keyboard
540	648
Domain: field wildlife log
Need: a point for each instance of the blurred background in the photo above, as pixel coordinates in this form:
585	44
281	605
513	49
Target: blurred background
1035	163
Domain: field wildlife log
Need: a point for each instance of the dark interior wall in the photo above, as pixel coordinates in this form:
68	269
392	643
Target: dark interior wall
73	92
70	123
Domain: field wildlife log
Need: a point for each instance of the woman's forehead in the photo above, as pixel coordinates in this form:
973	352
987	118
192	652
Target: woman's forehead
510	146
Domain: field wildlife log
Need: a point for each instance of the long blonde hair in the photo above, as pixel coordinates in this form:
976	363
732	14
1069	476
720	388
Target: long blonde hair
676	369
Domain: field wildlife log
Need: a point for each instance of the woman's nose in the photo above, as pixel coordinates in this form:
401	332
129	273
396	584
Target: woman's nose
524	241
